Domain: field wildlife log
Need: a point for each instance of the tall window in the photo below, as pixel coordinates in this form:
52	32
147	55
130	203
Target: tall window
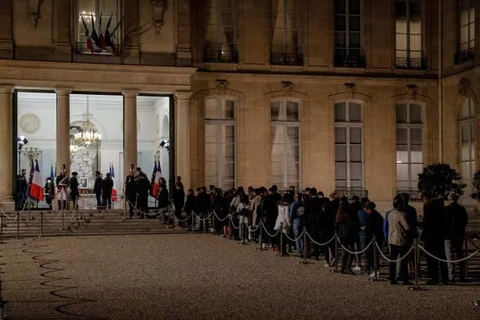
99	28
467	140
285	19
220	143
285	143
347	33
348	145
409	145
221	32
467	32
409	34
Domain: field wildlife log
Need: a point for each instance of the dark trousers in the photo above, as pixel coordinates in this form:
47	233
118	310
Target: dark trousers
367	255
397	252
436	247
131	205
107	202
282	243
451	247
346	258
99	200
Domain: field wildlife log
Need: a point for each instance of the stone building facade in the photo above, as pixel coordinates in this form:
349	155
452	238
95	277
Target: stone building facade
348	95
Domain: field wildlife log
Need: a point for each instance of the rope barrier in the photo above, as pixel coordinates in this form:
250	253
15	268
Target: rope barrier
448	261
354	252
203	219
320	244
6	215
55	219
390	260
34	222
251	229
233	224
291	239
218	218
270	235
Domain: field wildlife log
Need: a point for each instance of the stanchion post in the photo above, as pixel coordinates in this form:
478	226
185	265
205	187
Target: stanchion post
416	262
214	231
375	259
336	252
18	224
281	240
124	207
41	223
304	261
193	220
260	236
63	220
466	261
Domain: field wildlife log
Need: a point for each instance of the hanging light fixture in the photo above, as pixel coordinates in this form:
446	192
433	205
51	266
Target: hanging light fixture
88	137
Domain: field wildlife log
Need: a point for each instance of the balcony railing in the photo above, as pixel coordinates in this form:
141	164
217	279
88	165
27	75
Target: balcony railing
464	56
286	59
221	56
350	192
413	194
350	61
410	63
82	48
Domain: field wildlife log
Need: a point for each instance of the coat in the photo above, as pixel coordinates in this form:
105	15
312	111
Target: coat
282	218
397	228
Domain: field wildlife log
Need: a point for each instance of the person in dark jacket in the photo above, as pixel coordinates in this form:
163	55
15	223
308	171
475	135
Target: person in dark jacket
143	189
346	236
362	223
97	189
313	221
178	201
189	207
107	191
434	237
373	229
74	193
456	219
163	202
131	192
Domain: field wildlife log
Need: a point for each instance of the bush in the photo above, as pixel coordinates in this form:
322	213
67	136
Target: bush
439	180
476	186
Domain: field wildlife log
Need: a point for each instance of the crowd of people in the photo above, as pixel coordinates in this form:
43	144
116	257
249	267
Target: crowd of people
354	221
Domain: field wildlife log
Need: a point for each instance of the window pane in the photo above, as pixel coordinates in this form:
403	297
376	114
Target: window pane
340	23
293	135
356	171
402	136
340	153
401	113
275	110
228	111
415	170
211	109
211	153
228	133
340	171
341	135
340	111
354	23
354	40
415	113
340	6
465	133
415	10
277	170
210	133
401	26
292	111
401	9
356	135
356	153
355	111
354	6
465	152
229	171
402	156
402	172
401	42
416	136
415	27
416	157
340	39
416	43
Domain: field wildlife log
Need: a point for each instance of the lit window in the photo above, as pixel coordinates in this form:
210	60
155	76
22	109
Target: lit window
467	140
409	34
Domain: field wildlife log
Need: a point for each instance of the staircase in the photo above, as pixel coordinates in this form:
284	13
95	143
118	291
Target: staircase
49	223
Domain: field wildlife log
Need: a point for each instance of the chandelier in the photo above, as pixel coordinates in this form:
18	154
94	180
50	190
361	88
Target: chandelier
88	137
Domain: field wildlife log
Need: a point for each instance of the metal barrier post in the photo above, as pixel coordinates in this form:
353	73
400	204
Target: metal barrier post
63	220
193	220
416	262
281	241
304	261
336	253
125	207
41	223
214	231
260	236
18	224
375	260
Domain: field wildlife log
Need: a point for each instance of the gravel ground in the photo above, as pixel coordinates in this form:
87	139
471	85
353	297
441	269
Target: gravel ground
200	277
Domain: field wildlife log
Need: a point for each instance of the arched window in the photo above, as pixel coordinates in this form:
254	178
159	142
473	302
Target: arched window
467	140
220	142
285	143
409	145
348	145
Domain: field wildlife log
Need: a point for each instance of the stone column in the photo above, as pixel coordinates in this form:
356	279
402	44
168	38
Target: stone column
6	146
129	129
63	128
182	137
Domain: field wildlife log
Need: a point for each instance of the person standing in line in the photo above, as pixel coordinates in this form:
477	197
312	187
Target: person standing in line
21	190
107	191
74	194
143	188
398	229
62	182
178	201
49	191
346	235
296	214
97	189
130	192
456	219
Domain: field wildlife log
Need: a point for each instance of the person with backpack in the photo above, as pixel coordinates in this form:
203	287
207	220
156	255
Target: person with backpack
373	229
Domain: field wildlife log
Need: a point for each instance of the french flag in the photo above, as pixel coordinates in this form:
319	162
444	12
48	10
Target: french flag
156	180
114	191
36	190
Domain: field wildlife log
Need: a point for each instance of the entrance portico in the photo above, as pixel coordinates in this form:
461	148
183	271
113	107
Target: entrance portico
66	79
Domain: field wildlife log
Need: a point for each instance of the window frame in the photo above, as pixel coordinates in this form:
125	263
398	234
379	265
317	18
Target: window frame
347	124
469	40
409	126
470	121
347	31
287	124
219	123
408	34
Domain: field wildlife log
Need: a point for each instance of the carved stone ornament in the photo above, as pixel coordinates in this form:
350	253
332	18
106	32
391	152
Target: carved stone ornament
463	86
287	88
35	9
222	87
29	123
159	8
350	90
412	91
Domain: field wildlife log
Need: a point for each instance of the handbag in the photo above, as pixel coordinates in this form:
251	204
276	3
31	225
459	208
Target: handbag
300	211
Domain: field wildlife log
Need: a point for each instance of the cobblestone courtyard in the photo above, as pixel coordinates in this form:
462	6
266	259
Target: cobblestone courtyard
200	277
